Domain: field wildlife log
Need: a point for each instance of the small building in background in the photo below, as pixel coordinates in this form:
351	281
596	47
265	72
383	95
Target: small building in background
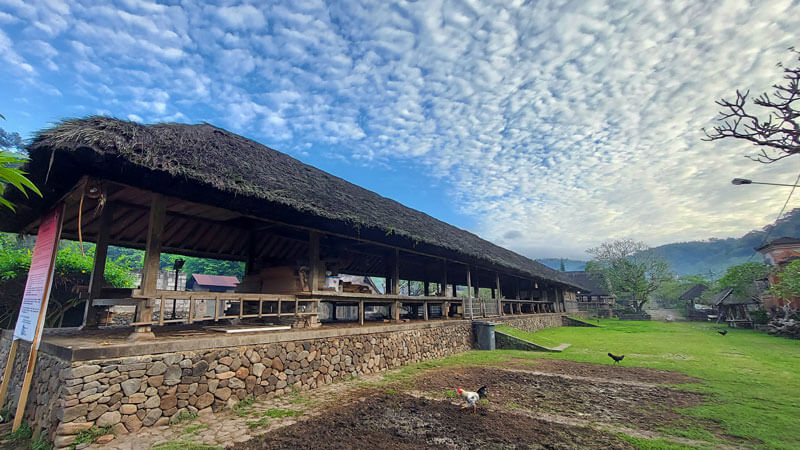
735	309
595	296
779	253
694	310
212	283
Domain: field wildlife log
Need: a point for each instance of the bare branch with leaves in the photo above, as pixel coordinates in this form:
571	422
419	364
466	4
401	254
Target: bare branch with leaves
778	135
631	269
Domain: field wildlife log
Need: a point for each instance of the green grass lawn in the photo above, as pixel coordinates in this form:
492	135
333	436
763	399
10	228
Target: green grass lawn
754	377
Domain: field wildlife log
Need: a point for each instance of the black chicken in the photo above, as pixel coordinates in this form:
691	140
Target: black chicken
616	358
722	332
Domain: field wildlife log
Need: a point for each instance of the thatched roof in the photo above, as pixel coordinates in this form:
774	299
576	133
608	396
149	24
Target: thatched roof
592	284
206	164
693	292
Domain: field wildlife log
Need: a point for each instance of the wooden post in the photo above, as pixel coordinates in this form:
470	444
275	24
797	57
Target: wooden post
516	288
443	286
396	311
191	309
152	260
361	312
498	293
12	354
425	310
446	310
469	293
250	263
426	288
314	277
97	279
395	272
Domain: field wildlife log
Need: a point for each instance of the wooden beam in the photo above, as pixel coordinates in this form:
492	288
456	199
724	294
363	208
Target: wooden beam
152	256
469	292
394	272
97	279
498	294
443	286
314	277
361	312
152	260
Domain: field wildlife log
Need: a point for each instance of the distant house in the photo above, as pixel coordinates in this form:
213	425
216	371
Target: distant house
779	253
735	309
212	283
696	311
594	296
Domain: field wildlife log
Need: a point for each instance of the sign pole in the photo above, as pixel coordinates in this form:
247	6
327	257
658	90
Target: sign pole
33	309
12	354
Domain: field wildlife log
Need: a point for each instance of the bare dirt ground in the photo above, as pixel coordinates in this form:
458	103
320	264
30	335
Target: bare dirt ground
550	404
402	421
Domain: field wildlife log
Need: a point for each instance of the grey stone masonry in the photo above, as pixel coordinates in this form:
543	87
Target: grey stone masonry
128	393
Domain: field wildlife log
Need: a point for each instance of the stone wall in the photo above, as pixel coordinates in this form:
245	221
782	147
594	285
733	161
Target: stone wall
129	393
531	323
43	394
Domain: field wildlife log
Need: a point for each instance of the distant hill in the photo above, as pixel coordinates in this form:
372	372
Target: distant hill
714	256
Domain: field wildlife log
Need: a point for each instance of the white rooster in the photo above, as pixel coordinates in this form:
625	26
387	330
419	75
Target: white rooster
472	398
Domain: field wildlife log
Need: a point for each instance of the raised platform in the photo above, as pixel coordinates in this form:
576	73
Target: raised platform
82	345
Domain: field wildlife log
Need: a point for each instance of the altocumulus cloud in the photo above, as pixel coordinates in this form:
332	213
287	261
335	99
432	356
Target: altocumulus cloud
555	124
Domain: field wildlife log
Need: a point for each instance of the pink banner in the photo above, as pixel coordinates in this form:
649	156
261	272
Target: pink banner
40	278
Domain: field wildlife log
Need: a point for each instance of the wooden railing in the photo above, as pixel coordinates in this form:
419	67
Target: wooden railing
275	305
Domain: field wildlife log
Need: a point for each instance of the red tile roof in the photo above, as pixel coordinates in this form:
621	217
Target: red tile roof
215	280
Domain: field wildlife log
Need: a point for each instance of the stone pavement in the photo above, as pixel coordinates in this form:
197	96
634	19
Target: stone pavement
231	426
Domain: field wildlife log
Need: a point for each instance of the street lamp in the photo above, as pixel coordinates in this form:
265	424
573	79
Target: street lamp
176	266
738	181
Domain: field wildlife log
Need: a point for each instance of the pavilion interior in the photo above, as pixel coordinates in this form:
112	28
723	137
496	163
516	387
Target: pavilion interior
123	212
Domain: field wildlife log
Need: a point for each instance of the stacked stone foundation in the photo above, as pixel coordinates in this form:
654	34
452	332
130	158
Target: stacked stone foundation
127	393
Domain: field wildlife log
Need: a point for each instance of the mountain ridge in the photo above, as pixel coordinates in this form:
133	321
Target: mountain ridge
710	257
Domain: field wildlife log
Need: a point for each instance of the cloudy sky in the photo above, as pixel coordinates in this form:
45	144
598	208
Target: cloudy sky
544	126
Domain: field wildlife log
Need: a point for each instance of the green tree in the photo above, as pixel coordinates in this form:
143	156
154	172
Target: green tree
671	289
631	269
72	269
788	284
742	278
10	161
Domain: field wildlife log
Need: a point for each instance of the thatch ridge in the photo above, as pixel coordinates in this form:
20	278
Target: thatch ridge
206	155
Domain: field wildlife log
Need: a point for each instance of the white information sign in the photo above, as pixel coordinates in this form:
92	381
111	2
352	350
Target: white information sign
40	278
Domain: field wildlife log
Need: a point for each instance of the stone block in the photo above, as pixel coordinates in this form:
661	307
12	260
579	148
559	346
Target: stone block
223	393
98	411
73	427
79	372
72	413
151	417
204	400
130	387
109	418
158	368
